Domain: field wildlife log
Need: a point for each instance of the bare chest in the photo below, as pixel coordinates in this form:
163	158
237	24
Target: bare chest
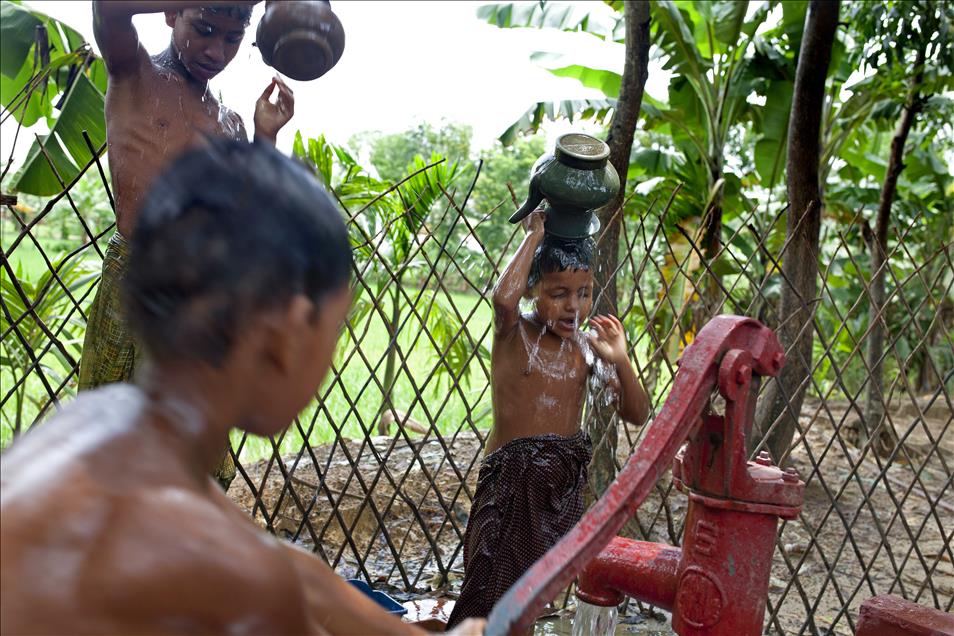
532	361
160	111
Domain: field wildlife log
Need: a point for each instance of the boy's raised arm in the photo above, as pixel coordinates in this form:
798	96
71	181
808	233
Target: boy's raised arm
116	36
513	281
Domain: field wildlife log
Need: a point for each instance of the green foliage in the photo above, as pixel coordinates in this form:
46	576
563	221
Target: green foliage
891	32
45	307
392	154
492	203
558	15
46	65
570	109
719	132
720	136
507	164
387	223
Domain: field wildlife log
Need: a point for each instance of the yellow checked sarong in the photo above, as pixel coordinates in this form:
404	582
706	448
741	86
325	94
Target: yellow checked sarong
109	350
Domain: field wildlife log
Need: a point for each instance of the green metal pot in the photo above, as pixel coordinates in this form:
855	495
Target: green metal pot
575	179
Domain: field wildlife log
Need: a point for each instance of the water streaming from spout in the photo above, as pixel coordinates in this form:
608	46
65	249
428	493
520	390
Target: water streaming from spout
593	620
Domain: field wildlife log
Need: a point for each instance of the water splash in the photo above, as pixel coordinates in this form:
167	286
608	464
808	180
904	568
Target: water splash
603	376
583	341
533	351
226	122
593	620
527	307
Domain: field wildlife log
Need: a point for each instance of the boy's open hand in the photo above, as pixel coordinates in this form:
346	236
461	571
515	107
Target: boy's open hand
608	339
269	116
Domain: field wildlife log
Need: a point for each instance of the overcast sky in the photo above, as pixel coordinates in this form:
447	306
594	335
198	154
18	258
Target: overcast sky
404	63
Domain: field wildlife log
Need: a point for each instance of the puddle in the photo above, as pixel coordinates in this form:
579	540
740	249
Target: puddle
428	613
638	624
432	614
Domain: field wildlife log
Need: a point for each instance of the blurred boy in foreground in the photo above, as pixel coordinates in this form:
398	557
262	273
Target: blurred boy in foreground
237	286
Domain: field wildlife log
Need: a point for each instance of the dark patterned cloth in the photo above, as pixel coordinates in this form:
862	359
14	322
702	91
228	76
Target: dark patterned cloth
529	494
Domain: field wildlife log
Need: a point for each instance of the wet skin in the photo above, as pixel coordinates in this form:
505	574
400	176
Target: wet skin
538	367
157	107
110	524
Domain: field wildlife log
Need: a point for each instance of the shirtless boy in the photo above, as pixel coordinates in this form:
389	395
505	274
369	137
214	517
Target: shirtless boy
237	286
156	107
531	483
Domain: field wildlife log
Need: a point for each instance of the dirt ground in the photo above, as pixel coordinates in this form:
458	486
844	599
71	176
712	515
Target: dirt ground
397	519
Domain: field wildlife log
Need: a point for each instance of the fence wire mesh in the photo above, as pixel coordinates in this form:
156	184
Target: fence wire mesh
378	473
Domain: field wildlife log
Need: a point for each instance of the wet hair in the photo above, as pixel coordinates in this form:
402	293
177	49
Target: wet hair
230	230
238	12
242	13
557	255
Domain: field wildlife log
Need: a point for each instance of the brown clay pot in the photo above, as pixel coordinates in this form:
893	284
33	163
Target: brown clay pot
302	39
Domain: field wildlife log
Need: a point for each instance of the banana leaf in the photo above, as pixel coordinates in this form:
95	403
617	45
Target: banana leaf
45	60
65	145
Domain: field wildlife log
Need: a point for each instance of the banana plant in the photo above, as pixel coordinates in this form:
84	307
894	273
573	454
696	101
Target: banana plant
388	221
40	305
715	55
48	71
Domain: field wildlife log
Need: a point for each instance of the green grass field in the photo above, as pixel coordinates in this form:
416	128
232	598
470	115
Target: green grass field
350	398
347	403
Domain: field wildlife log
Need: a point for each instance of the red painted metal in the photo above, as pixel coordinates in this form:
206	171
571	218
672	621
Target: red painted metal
890	615
640	569
722	577
724	571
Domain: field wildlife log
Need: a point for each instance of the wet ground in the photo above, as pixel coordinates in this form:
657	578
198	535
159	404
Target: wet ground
638	625
855	536
433	613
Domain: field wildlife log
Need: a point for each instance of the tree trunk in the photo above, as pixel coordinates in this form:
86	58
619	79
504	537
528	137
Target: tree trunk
711	240
390	367
602	423
710	243
783	397
878	247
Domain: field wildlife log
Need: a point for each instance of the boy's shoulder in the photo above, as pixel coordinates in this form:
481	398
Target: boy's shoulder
174	544
171	547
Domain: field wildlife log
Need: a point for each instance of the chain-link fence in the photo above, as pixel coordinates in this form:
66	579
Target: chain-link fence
378	473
